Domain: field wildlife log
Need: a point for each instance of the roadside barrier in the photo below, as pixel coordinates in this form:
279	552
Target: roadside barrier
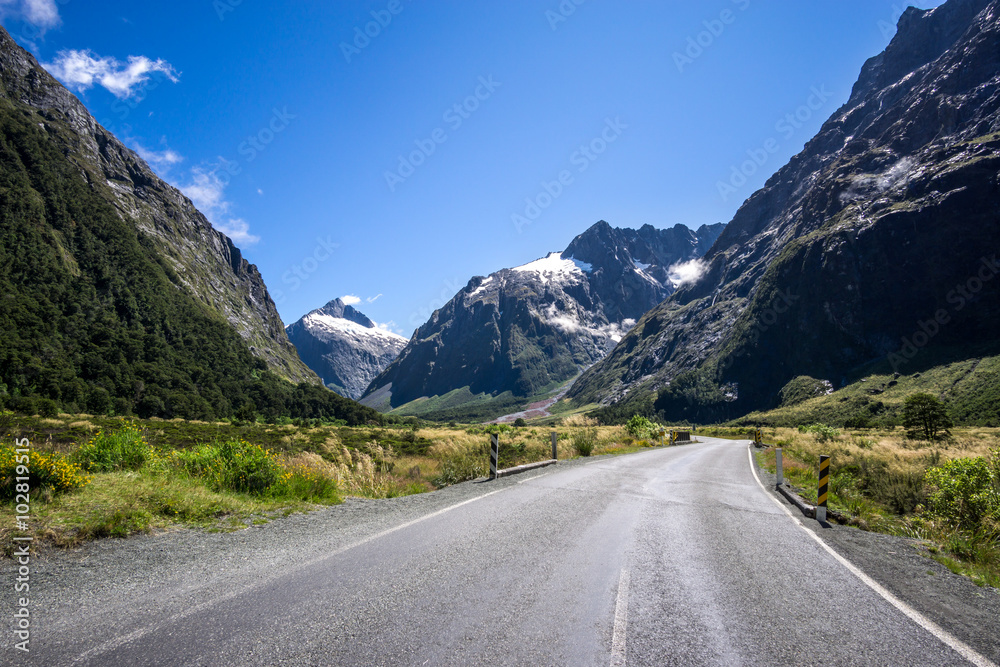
824	485
496	473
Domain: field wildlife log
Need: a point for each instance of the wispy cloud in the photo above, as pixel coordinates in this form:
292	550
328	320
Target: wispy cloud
350	300
373	299
390	326
161	159
207	191
40	13
81	70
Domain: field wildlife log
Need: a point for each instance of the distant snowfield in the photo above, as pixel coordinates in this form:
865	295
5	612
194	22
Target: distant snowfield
330	324
554	268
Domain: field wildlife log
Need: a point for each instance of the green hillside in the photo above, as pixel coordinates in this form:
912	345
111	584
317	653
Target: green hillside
92	319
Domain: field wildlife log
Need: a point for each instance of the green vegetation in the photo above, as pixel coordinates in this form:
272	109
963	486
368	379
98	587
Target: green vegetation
944	492
969	391
95	319
44	470
823	432
233	465
802	389
122	449
641	428
584	441
925	415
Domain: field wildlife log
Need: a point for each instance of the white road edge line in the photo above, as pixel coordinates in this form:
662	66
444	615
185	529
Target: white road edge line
621	622
930	626
138	634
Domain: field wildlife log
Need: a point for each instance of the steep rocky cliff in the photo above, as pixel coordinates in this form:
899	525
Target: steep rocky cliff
345	348
525	330
208	264
875	245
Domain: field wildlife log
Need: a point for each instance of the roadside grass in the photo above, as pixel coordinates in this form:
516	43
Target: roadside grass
879	480
109	477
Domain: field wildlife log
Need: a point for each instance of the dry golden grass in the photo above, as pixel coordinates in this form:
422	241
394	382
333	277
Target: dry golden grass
902	454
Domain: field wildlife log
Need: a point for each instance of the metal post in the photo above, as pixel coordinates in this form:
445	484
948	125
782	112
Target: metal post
778	466
824	487
555	449
494	454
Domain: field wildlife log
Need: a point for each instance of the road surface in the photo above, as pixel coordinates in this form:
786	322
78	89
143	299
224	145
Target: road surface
673	556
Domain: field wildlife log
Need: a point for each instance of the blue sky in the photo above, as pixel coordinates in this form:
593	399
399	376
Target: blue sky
454	138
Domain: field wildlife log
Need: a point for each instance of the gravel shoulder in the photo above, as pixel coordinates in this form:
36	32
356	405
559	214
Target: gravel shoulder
904	567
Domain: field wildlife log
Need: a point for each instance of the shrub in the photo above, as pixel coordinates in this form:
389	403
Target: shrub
964	491
122	449
640	427
520	422
234	465
924	415
822	432
43	469
462	466
307	477
584	441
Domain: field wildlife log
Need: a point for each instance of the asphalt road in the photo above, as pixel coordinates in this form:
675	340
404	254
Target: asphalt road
672	556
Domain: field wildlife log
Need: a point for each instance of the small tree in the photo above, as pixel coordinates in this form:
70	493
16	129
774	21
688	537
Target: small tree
520	422
924	415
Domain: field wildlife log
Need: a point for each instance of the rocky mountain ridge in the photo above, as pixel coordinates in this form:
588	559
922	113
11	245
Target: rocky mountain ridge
525	330
847	252
207	263
344	347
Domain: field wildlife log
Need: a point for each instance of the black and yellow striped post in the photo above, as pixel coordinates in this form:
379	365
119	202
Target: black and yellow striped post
494	454
758	436
824	487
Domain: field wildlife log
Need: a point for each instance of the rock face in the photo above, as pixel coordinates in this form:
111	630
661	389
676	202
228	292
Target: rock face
207	262
345	348
527	329
876	244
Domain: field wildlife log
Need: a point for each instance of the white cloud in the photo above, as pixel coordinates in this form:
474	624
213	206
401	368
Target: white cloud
685	273
207	192
40	13
350	299
390	326
164	158
238	230
260	192
80	70
373	299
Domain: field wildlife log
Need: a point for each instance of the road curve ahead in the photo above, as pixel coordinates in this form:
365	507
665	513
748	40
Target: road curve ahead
671	556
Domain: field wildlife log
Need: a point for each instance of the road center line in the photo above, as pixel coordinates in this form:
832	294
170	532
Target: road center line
930	626
621	622
138	634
